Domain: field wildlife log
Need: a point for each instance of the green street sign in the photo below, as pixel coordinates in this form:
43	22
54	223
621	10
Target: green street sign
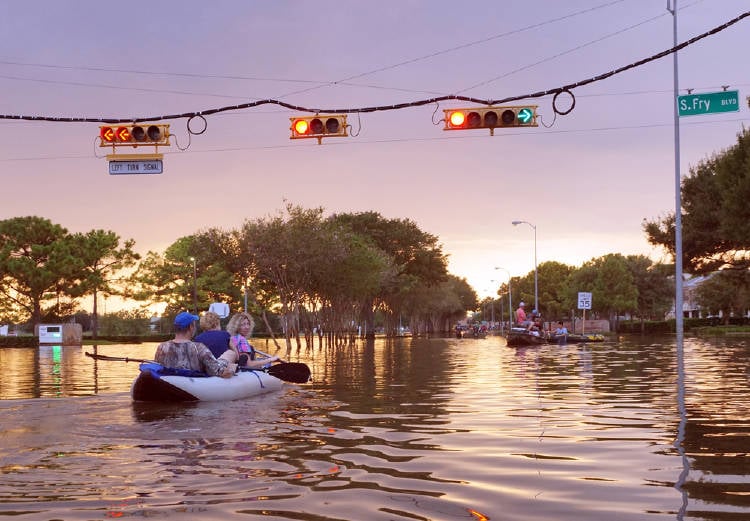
709	103
525	115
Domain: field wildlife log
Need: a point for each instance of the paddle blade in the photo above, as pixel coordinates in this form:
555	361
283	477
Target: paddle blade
295	372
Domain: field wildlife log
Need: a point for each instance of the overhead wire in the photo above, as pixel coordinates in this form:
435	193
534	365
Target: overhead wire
397	106
317	83
408	140
344	81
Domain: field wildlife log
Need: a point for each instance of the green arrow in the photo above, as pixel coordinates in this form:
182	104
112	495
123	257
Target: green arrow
525	115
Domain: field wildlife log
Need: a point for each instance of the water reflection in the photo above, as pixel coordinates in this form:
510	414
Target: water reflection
409	429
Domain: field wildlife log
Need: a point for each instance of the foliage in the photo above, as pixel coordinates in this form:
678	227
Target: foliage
654	284
434	308
167	278
125	322
727	291
610	282
102	258
415	256
715	213
38	263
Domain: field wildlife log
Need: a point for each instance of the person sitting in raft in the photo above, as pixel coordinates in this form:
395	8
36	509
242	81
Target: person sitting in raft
212	336
561	333
535	323
521	315
183	353
240	327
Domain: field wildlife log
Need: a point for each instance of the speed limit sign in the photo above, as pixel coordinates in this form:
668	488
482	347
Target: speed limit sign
584	300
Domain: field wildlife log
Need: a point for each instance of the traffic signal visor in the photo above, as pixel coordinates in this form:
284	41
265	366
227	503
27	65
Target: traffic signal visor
319	126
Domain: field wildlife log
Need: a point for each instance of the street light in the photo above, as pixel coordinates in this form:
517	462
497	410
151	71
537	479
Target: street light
536	275
510	298
195	287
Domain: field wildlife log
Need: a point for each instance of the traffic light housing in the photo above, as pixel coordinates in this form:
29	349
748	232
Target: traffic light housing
491	117
134	135
318	126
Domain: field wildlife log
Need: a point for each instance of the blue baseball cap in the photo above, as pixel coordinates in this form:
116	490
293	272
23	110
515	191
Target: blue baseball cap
184	319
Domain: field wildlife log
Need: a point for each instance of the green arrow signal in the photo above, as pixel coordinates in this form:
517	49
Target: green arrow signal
525	115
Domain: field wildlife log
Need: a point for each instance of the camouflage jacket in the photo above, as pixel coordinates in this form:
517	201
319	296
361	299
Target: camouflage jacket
189	355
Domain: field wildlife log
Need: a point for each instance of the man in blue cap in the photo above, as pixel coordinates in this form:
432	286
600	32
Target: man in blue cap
182	353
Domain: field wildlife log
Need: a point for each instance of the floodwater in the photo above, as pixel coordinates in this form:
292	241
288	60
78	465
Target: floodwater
411	429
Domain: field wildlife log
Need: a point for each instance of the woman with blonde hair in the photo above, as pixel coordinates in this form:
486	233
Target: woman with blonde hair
212	335
240	327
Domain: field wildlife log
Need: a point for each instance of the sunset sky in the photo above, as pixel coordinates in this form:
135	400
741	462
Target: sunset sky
587	179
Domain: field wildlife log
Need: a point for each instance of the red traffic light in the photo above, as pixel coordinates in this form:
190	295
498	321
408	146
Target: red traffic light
333	125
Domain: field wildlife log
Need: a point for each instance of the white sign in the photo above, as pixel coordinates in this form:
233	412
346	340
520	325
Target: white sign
584	300
150	166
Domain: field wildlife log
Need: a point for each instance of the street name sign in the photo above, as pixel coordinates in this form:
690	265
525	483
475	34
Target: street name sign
584	300
142	166
709	103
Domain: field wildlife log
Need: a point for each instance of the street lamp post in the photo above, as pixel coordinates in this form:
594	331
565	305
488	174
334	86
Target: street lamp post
536	275
195	286
510	298
492	312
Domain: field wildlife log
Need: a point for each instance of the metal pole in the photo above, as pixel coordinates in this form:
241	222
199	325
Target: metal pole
536	274
510	298
195	286
678	301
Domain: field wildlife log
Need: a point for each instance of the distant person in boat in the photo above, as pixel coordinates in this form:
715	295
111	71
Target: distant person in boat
521	315
212	336
561	333
183	353
240	328
535	323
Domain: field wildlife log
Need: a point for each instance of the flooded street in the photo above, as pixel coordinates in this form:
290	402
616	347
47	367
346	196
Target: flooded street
427	429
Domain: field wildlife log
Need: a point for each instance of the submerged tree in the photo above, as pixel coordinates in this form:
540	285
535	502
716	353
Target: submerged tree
102	258
37	263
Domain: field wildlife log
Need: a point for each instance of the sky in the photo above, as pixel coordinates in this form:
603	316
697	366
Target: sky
585	180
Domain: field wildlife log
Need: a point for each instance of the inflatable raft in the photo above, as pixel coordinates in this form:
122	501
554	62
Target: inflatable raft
156	383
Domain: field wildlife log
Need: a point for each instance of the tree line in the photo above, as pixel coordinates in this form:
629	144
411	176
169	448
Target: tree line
342	274
331	275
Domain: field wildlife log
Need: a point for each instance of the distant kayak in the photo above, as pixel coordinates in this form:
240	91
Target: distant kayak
156	383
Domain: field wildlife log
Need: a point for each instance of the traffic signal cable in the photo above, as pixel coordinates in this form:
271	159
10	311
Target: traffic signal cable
555	92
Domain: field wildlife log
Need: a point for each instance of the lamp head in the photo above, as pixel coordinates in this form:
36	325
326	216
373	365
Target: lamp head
516	223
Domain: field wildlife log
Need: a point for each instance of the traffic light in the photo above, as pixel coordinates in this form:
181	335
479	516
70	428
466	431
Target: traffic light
134	135
318	126
491	117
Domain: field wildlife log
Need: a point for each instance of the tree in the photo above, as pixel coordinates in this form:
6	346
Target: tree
165	278
554	297
610	282
654	285
101	258
715	213
416	257
725	291
37	262
435	307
